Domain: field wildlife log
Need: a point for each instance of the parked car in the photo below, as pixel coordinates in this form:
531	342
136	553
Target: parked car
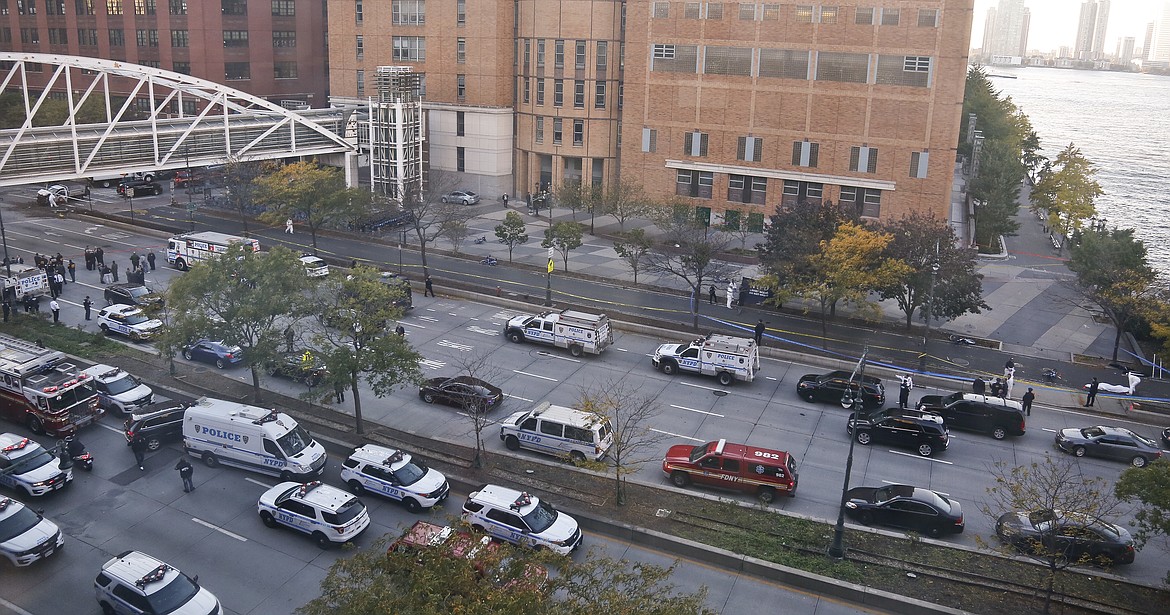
134	294
924	433
489	558
299	365
157	423
907	507
25	535
134	583
465	392
328	514
315	266
1166	438
128	320
211	351
982	413
464	197
1109	443
833	386
1081	540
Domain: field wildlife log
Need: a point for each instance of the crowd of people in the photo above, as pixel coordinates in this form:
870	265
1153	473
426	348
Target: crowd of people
60	271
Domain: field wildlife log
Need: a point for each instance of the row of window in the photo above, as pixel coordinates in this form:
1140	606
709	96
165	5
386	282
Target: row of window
280	8
144	37
558	130
232	70
800	64
411	12
580	89
754	190
580	50
800	13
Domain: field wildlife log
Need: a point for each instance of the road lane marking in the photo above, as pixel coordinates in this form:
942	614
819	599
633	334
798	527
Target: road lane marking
557	356
769	378
455	345
430	364
411	324
912	455
699	386
12	607
535	375
219	529
518	397
262	484
675	435
621	349
481	330
1048	430
113	429
699	411
428	318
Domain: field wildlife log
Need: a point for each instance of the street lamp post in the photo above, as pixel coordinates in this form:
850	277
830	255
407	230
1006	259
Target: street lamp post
837	548
4	238
929	314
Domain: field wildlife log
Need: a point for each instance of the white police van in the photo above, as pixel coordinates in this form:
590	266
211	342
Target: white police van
326	513
251	438
559	431
726	357
521	519
26	536
118	390
134	583
129	321
26	465
394	474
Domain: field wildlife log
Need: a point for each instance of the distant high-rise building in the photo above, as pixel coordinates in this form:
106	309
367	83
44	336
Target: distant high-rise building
1147	45
989	32
1027	23
1094	20
1159	45
1125	49
1009	37
1101	24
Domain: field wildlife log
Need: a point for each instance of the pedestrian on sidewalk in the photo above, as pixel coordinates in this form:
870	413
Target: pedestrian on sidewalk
72	268
114	270
711	298
150	260
87	304
428	289
1028	398
138	445
505	199
979	387
1093	387
56	309
288	338
338	391
288	227
186	472
760	328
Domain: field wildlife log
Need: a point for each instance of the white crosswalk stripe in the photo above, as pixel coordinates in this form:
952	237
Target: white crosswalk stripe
455	345
429	364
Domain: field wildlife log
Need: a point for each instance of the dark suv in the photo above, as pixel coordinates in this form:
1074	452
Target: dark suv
924	433
133	294
983	413
157	423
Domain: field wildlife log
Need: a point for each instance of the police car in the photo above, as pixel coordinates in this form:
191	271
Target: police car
396	475
326	513
26	536
25	464
129	321
520	518
118	390
314	266
134	583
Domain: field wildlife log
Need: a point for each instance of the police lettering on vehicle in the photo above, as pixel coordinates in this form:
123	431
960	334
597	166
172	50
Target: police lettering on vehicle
221	434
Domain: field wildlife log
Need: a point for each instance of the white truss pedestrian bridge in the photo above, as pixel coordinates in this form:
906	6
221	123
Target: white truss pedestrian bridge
145	125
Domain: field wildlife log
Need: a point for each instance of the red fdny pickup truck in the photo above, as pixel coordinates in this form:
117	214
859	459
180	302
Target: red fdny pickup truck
734	467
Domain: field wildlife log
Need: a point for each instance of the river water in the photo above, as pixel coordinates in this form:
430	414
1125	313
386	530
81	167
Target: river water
1121	123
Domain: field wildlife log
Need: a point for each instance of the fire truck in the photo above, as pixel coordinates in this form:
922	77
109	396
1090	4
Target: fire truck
40	389
186	250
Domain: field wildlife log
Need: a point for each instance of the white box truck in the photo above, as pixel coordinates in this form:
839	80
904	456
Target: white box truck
723	356
251	438
580	332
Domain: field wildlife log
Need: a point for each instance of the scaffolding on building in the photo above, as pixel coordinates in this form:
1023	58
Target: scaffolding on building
397	134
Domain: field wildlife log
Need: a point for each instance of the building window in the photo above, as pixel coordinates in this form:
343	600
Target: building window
558	92
410	49
361	83
117	37
58	36
714	10
147	38
360	46
663	52
284	38
408	12
661	10
728	61
747	12
540	53
805	154
557	130
527	54
228	7
179	38
695	184
771	11
559	54
599	95
85	7
843	67
461	12
579	94
30	36
649	140
176	7
580	55
460	123
828	14
804	14
784	63
919	161
890	17
903	70
540	129
867	202
540	91
747	189
87	37
527	88
927	18
461	87
602	55
235	38
461	159
578	132
621	93
863	159
237	71
143	7
183	68
283	8
863	16
691	10
695	144
674	58
113	7
461	51
284	70
750	149
52	7
799	193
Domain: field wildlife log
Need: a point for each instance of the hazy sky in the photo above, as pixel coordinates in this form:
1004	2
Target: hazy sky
1054	22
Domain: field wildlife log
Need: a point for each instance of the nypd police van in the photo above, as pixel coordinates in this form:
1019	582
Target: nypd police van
560	431
395	474
723	356
251	438
24	464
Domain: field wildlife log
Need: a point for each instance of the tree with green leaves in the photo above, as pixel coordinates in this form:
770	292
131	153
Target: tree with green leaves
356	341
242	298
456	232
564	237
626	200
1113	271
689	251
996	191
1046	494
921	241
310	194
512	232
632	247
575	195
1149	487
1067	190
630	414
793	238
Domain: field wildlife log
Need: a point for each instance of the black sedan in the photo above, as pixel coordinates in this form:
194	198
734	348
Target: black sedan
466	392
833	387
906	507
1109	443
133	294
1077	538
299	365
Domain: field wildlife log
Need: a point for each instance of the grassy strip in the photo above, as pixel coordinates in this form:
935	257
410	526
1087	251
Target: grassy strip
70	340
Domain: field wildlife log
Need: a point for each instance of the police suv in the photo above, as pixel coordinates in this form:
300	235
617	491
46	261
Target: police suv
521	519
118	390
25	464
326	513
129	321
26	536
396	475
135	583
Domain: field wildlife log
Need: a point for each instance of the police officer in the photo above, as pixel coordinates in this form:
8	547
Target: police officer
87	304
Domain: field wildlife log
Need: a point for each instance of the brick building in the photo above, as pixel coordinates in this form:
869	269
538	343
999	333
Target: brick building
274	49
736	106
